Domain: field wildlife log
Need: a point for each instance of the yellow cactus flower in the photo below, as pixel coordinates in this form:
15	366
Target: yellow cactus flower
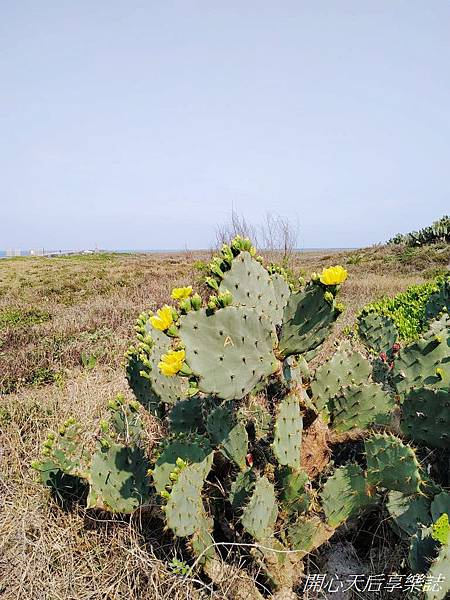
333	275
181	293
171	362
163	318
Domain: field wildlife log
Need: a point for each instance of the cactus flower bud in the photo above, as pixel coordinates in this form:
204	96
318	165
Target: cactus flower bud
172	331
196	302
212	283
185	305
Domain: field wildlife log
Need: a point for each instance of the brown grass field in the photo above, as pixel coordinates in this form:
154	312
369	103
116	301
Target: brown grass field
56	315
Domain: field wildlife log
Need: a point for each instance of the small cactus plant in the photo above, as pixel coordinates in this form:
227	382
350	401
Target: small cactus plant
229	380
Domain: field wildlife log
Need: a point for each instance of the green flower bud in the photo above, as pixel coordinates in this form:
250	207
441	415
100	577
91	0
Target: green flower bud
196	302
212	283
185	305
172	331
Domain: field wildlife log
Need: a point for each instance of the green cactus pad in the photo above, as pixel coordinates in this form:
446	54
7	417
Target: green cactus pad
440	569
260	514
288	432
229	351
426	417
377	332
192	449
307	320
408	512
65	450
202	542
118	479
241	488
439	301
308	533
125	420
142	386
345	494
230	437
294	493
184	508
282	293
343	368
391	464
422	550
186	416
252	286
440	505
162	388
425	362
357	406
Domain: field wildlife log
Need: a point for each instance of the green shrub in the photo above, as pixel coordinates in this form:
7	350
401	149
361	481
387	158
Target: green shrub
407	309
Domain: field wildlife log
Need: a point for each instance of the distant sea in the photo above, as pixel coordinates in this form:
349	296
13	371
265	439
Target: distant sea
126	251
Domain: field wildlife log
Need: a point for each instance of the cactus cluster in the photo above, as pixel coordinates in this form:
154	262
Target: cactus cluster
244	414
439	231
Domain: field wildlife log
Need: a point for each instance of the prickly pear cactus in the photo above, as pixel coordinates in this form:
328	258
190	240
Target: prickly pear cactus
345	494
426	417
343	368
378	332
230	351
246	421
393	465
308	318
425	362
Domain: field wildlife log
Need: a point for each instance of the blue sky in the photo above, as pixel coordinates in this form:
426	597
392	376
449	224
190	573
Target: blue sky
139	124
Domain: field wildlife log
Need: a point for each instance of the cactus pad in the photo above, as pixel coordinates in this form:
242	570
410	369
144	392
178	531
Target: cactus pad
391	464
241	488
192	449
344	494
282	293
261	512
342	368
422	550
357	406
229	351
439	301
230	437
440	505
294	494
408	512
425	362
426	417
252	286
440	569
65	450
308	319
378	332
184	508
118	479
162	388
186	415
288	432
308	533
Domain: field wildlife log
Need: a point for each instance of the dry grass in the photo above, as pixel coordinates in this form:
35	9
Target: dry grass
90	303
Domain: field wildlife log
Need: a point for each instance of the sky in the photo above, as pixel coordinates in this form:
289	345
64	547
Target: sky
142	124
